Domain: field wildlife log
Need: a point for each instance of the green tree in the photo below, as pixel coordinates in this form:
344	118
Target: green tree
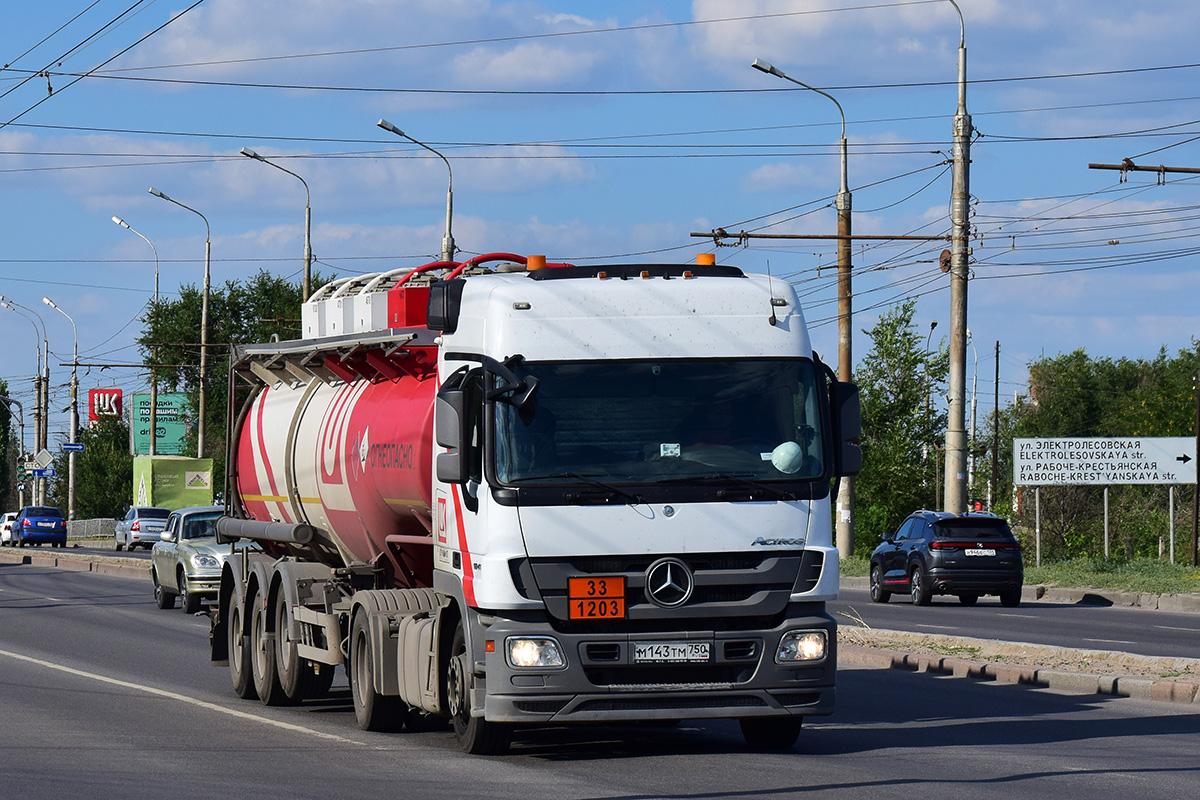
103	471
900	384
239	312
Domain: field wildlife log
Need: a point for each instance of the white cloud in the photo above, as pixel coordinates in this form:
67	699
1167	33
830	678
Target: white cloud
528	64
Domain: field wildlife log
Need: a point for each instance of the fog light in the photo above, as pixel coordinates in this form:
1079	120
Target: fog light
530	651
801	646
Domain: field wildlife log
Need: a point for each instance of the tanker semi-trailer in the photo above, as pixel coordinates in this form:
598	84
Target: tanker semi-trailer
509	493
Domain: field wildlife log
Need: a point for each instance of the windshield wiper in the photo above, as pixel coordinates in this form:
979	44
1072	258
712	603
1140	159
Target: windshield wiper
630	498
729	476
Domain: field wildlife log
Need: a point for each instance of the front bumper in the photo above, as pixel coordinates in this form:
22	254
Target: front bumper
601	683
203	584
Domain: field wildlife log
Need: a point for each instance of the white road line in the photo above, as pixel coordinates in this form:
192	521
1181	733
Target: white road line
1019	616
287	726
1110	641
1171	628
938	627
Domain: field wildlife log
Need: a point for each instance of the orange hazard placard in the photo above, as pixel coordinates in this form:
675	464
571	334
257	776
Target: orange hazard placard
597	597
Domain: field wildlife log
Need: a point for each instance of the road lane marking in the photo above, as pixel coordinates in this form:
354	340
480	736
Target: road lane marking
1172	628
1020	616
938	627
1110	641
287	726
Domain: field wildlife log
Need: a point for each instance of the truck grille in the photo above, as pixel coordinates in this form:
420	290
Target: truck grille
727	585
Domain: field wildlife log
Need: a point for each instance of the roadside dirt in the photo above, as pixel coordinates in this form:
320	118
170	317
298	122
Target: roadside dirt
1092	662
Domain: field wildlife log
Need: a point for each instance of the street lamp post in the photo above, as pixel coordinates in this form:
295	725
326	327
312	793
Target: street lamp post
845	502
74	410
448	248
246	151
971	434
41	387
200	423
153	349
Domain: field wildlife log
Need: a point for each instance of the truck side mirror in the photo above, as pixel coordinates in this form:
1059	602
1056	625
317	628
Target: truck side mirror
448	432
846	411
445	304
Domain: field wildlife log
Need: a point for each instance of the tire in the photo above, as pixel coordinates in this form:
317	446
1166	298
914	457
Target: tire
372	711
162	598
475	735
922	593
118	546
968	599
189	601
240	669
1011	598
771	733
296	675
262	656
878	593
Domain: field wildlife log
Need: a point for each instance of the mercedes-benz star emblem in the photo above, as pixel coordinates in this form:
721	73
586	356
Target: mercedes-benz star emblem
669	583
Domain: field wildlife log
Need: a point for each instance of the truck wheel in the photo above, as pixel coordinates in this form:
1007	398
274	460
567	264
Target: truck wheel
162	598
262	656
240	670
372	711
475	735
878	593
771	733
296	675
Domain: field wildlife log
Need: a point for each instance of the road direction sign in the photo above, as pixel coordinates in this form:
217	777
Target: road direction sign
44	473
73	446
1104	461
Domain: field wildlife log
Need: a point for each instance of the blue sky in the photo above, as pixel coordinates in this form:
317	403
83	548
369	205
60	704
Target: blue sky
604	131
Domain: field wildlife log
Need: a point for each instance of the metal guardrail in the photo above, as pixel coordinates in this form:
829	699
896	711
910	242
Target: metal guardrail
91	528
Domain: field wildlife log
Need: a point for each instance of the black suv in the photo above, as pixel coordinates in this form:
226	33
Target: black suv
937	552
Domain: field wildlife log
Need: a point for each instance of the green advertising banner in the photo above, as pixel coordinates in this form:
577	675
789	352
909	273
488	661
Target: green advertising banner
172	481
172	420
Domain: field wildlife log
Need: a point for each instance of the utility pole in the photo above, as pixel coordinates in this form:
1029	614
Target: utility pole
960	228
1196	488
994	488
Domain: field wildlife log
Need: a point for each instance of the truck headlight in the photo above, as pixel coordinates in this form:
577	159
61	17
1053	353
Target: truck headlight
204	561
798	646
534	651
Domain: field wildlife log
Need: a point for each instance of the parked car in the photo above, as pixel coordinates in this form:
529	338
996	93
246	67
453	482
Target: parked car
6	522
38	525
186	561
967	555
141	527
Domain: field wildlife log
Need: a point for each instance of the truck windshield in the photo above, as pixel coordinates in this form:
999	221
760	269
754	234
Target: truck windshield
663	421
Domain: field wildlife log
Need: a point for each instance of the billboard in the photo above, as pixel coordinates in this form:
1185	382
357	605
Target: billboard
172	481
103	404
173	416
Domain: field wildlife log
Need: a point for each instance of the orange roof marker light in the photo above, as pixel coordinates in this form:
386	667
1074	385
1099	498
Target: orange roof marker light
535	262
706	259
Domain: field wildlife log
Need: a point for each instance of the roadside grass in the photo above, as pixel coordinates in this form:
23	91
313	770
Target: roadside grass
1141	575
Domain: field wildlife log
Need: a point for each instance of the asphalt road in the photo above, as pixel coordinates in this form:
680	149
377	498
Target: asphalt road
102	694
1092	627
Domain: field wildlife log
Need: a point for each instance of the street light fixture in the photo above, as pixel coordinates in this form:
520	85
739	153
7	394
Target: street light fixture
845	516
41	386
153	348
448	248
248	153
200	423
74	409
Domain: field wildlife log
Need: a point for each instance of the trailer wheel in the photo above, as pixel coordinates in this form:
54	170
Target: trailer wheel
296	675
262	656
240	670
475	735
372	711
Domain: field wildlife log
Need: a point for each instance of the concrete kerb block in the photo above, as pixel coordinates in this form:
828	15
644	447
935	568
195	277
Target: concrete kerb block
1139	688
1172	691
1179	603
961	668
869	657
1069	682
1011	673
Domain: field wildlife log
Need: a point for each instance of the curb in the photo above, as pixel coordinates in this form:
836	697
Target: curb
76	562
1078	683
1178	603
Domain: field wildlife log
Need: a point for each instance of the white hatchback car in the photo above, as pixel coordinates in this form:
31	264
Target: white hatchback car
6	537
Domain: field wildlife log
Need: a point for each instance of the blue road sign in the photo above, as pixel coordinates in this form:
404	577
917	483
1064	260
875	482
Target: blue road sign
75	446
48	472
